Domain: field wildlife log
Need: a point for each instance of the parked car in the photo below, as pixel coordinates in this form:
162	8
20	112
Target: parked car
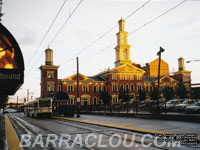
147	104
170	105
10	110
195	108
182	106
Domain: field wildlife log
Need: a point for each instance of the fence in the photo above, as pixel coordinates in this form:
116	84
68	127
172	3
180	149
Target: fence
136	107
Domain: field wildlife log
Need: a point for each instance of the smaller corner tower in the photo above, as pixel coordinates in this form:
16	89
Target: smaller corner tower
183	76
122	49
49	75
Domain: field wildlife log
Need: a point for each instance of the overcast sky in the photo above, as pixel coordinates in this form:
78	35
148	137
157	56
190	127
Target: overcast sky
178	32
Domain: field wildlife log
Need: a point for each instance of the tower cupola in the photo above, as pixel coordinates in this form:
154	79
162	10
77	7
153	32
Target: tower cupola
181	64
48	56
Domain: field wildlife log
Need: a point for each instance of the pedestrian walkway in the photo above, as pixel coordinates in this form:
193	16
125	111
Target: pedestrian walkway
12	139
140	125
173	116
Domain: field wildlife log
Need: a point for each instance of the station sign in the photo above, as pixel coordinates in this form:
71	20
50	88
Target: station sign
11	63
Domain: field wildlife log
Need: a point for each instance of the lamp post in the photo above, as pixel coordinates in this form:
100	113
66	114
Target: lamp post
159	54
192	61
18	102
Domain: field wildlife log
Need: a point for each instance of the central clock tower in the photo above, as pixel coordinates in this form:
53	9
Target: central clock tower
123	48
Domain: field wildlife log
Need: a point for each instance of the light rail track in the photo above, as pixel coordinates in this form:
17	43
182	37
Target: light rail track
35	126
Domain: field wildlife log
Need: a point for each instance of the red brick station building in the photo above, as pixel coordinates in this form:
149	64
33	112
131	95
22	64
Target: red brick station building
126	74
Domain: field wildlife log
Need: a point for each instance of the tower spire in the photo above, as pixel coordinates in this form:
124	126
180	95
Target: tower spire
123	48
121	23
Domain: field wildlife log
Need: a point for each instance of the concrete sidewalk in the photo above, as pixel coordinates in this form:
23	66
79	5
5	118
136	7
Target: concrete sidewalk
8	138
158	126
173	116
11	136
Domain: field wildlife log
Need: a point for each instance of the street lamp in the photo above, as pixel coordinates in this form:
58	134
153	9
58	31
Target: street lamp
159	54
192	61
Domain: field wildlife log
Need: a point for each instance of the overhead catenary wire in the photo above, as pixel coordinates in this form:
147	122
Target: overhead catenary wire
90	57
57	33
140	27
47	32
95	41
154	19
137	29
104	34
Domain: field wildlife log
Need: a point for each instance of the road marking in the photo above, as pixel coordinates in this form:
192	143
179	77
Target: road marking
12	139
116	126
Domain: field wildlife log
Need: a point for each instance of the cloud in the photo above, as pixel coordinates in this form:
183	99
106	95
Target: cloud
192	29
83	34
28	37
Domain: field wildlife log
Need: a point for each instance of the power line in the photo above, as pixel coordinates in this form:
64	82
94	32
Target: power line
90	57
47	32
149	22
98	52
137	9
139	28
65	22
81	51
59	31
104	34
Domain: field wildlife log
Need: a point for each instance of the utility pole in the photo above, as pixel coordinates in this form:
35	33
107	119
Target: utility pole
27	95
78	98
17	104
159	54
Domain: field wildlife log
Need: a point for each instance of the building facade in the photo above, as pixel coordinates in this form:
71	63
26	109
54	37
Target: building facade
130	76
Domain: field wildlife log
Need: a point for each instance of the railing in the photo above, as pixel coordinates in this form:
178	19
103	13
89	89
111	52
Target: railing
144	108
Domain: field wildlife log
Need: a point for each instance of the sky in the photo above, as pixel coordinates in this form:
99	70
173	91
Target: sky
178	32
